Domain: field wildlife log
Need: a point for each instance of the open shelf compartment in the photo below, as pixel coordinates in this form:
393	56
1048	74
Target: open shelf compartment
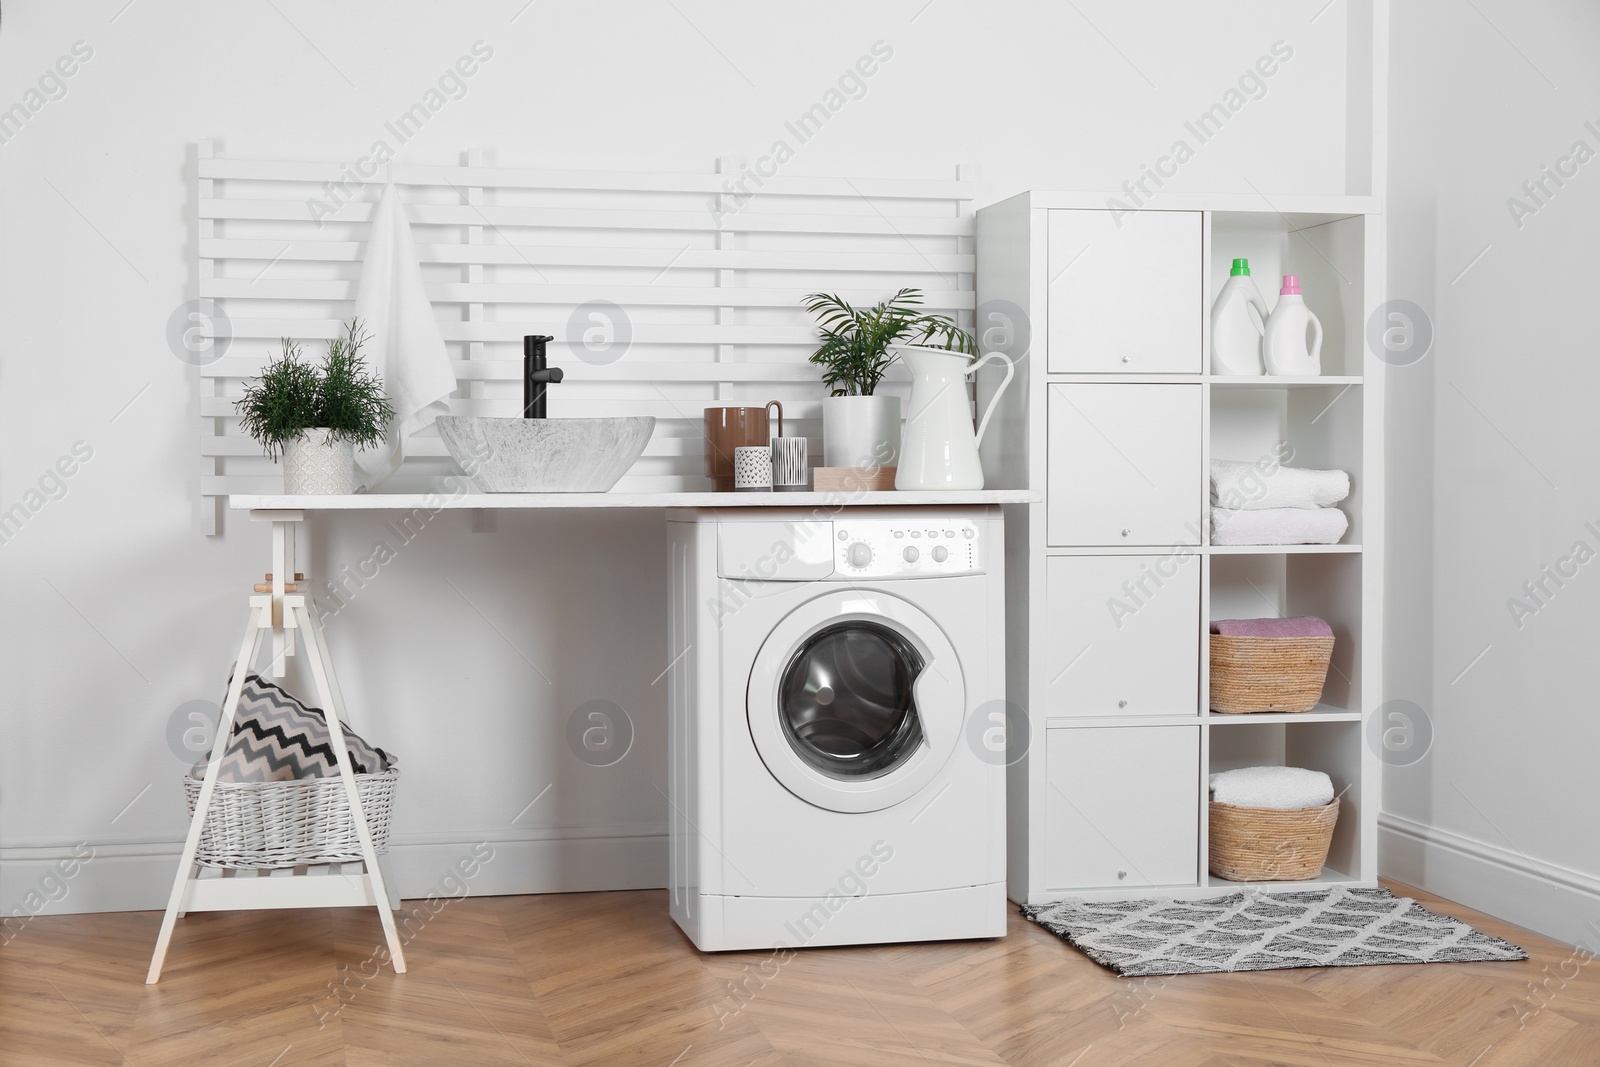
1334	748
1284	586
1326	251
1312	426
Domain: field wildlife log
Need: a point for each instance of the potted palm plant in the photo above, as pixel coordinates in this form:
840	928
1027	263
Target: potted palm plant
317	417
859	427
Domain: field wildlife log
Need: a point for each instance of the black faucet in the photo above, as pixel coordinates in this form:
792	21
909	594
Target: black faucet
536	376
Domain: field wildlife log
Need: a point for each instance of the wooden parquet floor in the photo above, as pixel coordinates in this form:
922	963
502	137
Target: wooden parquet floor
605	978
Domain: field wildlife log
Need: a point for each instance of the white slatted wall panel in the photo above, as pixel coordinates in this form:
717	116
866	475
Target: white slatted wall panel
714	304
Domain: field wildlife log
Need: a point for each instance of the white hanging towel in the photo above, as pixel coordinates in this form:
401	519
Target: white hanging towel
406	350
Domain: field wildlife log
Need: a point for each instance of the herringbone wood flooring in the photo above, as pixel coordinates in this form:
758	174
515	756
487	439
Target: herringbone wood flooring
605	978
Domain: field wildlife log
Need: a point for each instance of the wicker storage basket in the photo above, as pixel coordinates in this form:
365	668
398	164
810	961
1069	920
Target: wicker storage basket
283	824
1269	844
1255	674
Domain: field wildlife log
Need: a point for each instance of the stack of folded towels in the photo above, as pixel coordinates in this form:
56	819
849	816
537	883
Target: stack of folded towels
1284	788
1281	506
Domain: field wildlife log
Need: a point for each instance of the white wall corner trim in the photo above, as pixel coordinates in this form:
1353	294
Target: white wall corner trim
1552	900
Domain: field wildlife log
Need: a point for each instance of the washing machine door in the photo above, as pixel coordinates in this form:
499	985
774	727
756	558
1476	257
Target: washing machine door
856	701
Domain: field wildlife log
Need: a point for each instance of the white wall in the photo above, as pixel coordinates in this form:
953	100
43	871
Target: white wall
468	654
1491	475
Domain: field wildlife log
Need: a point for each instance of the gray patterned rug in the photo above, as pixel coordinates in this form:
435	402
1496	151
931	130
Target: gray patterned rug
1257	931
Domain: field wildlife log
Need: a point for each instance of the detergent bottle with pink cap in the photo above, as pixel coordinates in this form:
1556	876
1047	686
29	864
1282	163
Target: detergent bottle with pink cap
1293	341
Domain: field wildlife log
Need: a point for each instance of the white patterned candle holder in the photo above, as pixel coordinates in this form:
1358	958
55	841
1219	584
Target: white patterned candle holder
789	474
752	469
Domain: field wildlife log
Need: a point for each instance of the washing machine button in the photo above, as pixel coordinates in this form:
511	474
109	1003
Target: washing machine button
940	553
911	553
860	554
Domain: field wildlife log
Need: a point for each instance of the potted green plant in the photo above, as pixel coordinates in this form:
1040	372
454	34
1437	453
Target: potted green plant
859	427
317	417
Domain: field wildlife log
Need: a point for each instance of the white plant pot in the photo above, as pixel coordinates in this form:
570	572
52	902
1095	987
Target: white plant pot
861	431
313	466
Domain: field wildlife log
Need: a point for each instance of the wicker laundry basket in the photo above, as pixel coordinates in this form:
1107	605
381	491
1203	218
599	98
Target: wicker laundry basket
1258	674
1270	844
284	824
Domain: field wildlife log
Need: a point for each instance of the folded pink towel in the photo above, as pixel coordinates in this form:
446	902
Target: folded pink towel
1299	626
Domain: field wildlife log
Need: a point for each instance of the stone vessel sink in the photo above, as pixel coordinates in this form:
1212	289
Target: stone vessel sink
545	455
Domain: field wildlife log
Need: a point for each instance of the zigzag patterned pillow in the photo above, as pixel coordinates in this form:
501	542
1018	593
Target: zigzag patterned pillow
276	738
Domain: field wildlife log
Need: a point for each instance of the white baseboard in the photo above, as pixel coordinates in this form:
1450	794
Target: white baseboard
57	880
1547	899
569	864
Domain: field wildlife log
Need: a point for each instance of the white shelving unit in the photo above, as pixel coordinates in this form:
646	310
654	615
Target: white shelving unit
1112	579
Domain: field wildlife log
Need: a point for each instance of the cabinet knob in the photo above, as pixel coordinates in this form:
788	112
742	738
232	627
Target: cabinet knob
1121	875
1127	359
1122	703
1126	531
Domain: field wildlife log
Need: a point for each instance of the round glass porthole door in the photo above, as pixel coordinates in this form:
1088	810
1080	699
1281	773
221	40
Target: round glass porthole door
846	700
856	701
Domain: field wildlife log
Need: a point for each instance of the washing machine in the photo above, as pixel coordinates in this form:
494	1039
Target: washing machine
837	761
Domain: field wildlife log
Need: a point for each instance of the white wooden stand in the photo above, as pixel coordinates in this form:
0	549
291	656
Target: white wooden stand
281	608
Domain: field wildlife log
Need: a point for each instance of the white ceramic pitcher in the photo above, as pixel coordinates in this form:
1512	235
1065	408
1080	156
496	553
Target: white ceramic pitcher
939	449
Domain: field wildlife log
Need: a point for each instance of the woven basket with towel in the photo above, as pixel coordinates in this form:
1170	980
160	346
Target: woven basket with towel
1269	665
279	800
1271	824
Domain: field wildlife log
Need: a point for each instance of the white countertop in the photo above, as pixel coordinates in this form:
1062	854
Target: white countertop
441	501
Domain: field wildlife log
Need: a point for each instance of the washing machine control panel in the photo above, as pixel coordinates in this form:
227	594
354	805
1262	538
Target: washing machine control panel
898	548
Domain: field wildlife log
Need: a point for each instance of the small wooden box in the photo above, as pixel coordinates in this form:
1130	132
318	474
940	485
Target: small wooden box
852	479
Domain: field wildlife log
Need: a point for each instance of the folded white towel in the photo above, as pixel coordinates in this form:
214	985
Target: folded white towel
1278	526
407	349
1245	487
1285	788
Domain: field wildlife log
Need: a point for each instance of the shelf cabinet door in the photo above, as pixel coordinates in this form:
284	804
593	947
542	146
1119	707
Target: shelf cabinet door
1126	297
1123	807
1123	635
1124	465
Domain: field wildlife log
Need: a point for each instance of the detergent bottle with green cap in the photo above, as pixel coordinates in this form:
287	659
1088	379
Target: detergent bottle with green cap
1238	321
1293	344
